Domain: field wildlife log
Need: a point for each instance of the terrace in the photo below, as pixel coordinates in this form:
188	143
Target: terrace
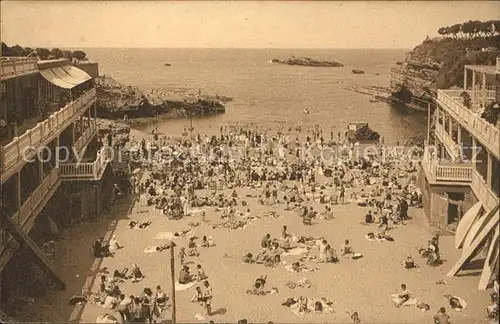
488	134
15	66
45	131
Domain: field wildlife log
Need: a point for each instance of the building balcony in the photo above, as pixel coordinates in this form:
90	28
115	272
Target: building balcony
446	172
87	136
483	192
15	66
86	171
486	133
14	152
26	215
452	148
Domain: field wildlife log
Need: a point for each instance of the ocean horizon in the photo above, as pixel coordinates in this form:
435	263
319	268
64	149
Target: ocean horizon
267	93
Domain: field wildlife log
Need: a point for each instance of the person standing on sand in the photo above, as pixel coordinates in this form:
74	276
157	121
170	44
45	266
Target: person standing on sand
284	234
342	194
208	296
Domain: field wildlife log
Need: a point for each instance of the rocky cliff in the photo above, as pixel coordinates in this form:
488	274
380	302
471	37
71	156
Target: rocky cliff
116	100
439	64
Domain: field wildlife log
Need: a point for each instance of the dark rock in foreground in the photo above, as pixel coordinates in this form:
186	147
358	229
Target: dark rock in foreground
116	100
306	61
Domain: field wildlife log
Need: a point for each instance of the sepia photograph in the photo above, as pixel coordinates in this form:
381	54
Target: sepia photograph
250	162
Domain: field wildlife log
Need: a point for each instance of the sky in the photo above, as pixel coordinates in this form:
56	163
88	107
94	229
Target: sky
238	24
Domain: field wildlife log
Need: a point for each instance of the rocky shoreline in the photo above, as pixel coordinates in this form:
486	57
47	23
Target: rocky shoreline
437	64
119	101
306	61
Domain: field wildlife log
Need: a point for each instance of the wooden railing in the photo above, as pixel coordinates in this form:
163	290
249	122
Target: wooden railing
483	192
453	148
446	171
87	171
87	134
17	65
487	133
46	130
36	197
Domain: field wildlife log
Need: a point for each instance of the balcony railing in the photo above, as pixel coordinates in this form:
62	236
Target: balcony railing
487	133
17	65
453	148
86	171
86	136
46	130
483	192
450	172
36	197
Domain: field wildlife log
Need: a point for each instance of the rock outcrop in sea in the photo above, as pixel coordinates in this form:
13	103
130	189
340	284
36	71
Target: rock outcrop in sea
115	100
306	61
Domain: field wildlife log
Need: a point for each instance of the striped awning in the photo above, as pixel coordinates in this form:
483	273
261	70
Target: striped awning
65	76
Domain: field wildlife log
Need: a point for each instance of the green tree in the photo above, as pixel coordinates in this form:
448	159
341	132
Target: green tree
56	53
80	55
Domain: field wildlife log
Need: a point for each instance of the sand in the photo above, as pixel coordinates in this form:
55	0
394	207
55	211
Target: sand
363	285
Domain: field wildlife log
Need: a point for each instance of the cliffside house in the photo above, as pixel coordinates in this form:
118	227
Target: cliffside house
47	108
460	170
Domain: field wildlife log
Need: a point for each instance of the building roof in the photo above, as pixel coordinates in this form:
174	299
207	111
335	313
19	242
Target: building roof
488	69
65	76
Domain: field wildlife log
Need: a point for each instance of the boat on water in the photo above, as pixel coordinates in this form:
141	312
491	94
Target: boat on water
167	64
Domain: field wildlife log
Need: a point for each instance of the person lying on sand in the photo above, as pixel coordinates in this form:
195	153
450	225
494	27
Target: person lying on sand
248	258
454	302
441	317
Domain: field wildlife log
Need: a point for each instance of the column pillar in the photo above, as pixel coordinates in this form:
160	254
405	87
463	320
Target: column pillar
450	127
489	170
473	96
465	78
484	90
18	189
474	150
88	117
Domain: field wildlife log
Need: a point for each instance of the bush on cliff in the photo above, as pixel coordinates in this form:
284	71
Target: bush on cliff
450	55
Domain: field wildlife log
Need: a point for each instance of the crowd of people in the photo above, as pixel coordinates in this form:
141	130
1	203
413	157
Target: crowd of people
187	175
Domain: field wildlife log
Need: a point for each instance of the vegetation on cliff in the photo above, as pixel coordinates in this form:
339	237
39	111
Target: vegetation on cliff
439	63
42	53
